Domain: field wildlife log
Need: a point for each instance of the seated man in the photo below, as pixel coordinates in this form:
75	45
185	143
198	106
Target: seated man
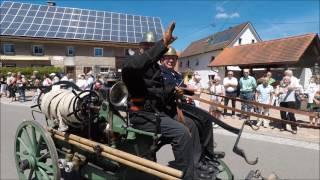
142	76
172	78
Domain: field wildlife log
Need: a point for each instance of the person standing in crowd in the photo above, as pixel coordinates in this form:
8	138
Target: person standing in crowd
66	77
271	81
11	81
110	79
7	80
54	78
216	89
3	88
286	93
100	77
82	82
264	95
37	92
90	79
294	82
316	107
46	80
248	85
21	85
230	84
194	83
311	90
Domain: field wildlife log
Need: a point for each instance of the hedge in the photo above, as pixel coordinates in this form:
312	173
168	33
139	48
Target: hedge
27	71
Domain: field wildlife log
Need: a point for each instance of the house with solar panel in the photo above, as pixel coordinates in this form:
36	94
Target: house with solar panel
78	40
199	54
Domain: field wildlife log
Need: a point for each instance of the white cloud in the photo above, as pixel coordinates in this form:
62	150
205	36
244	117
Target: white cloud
223	15
234	15
220	9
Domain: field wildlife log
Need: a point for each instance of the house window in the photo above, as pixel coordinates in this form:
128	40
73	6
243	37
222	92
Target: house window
180	64
252	41
188	63
98	52
212	58
239	41
9	65
37	50
70	51
8	49
197	62
104	70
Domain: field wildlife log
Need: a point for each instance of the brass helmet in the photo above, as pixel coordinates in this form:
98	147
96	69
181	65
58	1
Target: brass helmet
171	52
149	37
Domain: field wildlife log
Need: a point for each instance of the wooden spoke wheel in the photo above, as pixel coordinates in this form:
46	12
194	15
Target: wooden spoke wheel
35	153
224	171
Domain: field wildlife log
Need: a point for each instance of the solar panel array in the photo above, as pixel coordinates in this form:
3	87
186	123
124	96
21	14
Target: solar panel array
33	20
222	37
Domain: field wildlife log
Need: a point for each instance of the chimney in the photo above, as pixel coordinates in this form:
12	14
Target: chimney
51	3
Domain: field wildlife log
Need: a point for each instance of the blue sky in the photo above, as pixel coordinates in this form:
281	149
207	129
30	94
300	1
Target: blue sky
197	19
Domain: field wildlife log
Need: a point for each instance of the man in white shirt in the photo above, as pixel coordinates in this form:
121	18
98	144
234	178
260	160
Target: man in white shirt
81	82
264	95
66	77
90	79
294	81
230	84
195	84
54	78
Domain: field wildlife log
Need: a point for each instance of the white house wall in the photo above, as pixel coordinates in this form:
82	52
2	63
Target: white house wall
203	69
204	59
246	38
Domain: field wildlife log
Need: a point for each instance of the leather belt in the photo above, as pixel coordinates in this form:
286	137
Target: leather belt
231	92
136	108
136	100
137	104
245	92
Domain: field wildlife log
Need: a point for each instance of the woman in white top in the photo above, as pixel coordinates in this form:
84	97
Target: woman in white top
216	89
47	81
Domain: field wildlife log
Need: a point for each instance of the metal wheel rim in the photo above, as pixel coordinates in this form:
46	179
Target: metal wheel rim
225	171
30	137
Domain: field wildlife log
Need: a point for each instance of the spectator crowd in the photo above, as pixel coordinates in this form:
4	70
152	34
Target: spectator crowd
14	85
287	93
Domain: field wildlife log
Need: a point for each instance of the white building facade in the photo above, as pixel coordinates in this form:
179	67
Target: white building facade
198	55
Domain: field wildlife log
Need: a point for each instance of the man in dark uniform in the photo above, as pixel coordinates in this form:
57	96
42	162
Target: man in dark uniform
142	76
171	77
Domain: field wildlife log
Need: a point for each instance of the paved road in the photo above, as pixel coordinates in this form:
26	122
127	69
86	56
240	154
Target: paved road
289	159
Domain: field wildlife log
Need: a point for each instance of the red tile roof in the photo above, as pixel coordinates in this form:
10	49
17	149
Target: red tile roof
213	42
277	51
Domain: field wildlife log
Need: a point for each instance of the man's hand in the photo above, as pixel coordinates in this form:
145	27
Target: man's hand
167	36
179	92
